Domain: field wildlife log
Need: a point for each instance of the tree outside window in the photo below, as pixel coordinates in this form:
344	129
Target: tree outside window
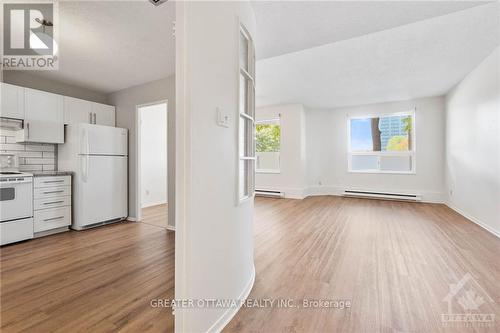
268	145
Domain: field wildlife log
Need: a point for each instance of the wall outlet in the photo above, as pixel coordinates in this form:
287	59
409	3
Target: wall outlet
320	183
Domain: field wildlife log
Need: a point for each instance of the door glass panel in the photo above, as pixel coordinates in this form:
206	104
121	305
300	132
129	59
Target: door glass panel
243	52
243	94
243	169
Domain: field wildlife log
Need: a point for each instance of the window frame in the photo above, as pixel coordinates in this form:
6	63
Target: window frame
412	153
271	122
248	116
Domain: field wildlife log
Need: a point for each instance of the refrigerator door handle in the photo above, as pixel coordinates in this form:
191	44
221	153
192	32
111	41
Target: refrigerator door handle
85	167
85	144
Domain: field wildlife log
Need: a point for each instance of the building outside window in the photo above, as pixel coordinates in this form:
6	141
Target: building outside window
382	144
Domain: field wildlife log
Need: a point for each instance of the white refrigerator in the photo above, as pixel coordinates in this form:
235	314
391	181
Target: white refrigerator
98	157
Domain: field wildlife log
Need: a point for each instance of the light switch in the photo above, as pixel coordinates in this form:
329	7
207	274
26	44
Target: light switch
223	118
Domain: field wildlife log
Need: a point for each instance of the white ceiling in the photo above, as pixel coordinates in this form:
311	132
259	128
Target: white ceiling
424	58
288	26
107	46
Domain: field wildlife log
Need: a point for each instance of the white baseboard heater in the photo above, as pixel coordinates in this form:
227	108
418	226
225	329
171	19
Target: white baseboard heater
382	195
269	193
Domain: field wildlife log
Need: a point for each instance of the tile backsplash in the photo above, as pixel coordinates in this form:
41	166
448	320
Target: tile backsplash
32	156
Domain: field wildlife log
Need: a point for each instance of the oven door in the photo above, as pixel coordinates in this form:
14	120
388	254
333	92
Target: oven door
16	199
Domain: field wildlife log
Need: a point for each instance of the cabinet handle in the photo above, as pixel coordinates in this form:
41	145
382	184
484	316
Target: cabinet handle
95	118
90	117
28	129
54	218
53	202
53	181
48	192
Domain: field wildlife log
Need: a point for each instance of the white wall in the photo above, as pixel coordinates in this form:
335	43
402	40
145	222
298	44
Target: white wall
126	102
473	144
326	132
214	234
153	122
292	177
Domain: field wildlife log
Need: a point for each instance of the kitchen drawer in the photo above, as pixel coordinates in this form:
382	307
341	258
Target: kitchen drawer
14	231
52	202
50	192
52	181
48	219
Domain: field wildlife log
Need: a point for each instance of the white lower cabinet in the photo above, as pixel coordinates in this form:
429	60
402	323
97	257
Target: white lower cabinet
48	219
52	204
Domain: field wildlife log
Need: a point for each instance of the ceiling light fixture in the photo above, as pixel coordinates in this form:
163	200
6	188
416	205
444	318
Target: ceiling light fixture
44	23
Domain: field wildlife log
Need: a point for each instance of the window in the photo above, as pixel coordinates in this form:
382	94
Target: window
246	127
268	145
382	144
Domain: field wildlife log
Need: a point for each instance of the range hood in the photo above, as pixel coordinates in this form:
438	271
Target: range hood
10	123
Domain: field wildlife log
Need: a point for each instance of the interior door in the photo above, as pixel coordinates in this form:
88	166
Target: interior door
102	189
44	116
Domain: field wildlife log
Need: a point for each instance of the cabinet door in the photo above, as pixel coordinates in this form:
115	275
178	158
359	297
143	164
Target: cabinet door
77	111
104	114
44	116
11	101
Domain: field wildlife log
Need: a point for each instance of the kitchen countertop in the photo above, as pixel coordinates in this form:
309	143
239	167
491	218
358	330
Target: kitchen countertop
51	173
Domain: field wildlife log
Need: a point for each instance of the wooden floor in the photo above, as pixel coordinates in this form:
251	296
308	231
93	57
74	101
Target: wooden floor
394	261
156	215
99	280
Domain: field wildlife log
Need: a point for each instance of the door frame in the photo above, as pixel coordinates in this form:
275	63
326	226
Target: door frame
138	181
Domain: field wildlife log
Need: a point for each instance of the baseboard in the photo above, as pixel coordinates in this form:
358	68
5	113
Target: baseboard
473	219
323	190
226	317
294	193
156	203
427	196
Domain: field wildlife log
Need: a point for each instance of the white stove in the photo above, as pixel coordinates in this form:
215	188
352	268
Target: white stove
16	205
11	175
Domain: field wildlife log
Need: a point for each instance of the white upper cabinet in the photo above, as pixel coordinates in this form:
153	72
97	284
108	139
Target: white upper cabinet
44	117
77	111
80	111
103	114
11	101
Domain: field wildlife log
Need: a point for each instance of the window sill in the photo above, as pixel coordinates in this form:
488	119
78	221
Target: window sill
383	172
268	171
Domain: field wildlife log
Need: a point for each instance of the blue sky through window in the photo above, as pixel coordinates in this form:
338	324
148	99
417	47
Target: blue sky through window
361	135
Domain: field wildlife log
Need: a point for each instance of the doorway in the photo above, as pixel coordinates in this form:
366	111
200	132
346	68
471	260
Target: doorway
152	171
